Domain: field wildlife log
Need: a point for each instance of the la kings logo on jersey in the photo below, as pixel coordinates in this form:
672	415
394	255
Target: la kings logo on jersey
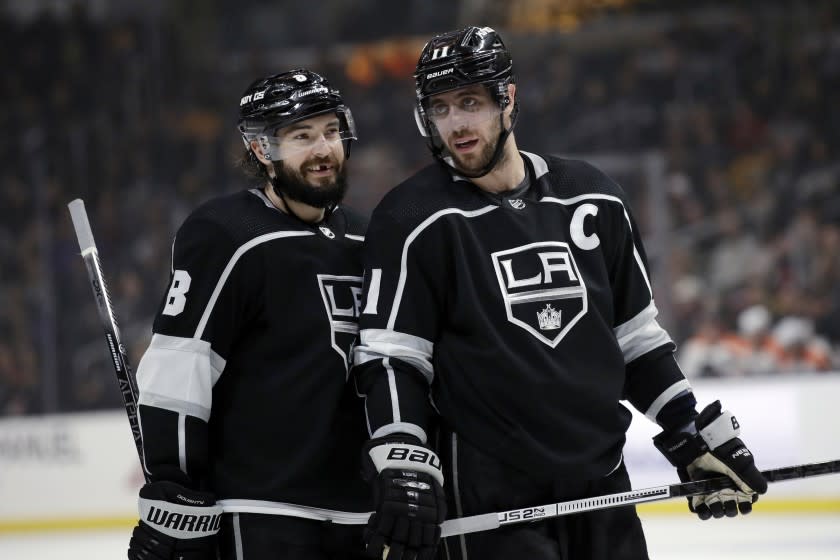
342	296
543	290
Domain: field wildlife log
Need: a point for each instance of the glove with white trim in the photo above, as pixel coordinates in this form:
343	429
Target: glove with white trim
708	447
408	494
176	523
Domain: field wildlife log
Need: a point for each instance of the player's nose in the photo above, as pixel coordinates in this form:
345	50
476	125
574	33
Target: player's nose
321	146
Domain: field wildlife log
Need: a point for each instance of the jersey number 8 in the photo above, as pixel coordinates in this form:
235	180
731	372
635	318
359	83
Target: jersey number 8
175	298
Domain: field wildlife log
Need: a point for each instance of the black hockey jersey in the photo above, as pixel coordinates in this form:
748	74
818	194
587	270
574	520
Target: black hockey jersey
244	385
522	315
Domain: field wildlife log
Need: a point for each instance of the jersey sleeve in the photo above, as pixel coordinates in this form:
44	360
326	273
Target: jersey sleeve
193	332
403	294
653	377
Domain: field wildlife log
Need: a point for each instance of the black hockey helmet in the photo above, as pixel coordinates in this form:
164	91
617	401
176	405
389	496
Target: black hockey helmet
452	60
277	101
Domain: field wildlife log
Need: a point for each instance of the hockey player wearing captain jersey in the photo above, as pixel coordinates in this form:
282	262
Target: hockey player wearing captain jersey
251	432
508	309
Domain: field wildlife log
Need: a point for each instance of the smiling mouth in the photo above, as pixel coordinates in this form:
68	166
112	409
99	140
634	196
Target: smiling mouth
466	144
321	169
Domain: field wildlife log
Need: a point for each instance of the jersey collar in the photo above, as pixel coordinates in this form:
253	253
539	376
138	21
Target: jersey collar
539	164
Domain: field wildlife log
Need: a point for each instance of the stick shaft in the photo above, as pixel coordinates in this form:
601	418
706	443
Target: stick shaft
772	475
489	521
125	378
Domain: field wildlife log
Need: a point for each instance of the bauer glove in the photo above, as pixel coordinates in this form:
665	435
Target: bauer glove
707	447
176	523
408	495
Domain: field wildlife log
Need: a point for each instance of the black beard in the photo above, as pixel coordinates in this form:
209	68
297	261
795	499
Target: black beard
291	183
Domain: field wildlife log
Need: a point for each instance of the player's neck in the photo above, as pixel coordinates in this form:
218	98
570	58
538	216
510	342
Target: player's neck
308	214
507	174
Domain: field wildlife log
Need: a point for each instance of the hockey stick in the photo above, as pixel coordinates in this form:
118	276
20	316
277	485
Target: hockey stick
488	521
125	378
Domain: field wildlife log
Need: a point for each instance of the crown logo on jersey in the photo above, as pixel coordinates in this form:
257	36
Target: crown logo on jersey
549	318
517	203
543	289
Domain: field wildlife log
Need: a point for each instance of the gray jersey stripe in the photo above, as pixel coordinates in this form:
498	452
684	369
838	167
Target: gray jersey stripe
641	334
644	339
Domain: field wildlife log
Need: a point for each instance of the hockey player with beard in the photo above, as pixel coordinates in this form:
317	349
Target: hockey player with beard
251	432
508	308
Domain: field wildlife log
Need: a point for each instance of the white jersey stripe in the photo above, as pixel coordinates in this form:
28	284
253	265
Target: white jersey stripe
641	334
645	315
400	428
367	354
237	536
540	165
178	374
392	387
233	260
373	291
376	344
411	237
656	407
172	256
182	442
294	510
642	340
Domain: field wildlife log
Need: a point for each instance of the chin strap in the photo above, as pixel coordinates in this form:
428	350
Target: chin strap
497	154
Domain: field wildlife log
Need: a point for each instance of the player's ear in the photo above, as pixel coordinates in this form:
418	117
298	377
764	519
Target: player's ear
511	92
258	151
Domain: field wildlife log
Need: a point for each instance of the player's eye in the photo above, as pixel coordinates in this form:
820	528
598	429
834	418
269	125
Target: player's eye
439	110
469	103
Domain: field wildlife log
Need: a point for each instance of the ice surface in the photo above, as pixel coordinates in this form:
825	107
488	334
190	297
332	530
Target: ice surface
764	536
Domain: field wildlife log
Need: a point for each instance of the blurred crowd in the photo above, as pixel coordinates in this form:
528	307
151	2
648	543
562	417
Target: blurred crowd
137	117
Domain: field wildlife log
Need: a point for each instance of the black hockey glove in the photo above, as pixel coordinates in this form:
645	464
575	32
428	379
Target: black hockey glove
176	523
708	447
408	495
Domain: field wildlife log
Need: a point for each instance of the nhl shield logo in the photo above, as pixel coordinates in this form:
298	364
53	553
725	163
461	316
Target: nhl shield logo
342	296
542	288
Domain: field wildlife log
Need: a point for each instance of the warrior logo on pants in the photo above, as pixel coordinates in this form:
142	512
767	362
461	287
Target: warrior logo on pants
542	289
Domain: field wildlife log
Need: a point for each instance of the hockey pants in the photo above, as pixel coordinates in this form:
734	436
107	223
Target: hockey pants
477	483
250	536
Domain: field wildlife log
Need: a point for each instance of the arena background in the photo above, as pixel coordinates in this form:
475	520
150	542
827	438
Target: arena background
721	120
